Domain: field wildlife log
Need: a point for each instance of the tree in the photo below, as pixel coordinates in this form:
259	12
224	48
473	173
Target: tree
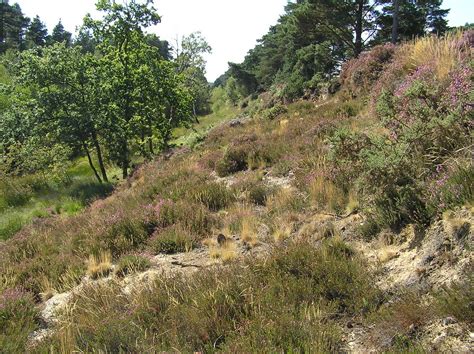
191	64
58	96
60	35
345	21
164	47
141	93
85	40
12	27
37	33
396	10
414	18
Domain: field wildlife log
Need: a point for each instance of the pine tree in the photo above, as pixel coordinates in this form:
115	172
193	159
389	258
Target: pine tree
12	27
60	35
415	18
37	33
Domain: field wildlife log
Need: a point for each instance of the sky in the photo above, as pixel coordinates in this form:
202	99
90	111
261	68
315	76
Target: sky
231	27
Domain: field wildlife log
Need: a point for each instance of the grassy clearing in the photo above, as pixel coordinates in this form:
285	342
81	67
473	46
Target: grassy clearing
196	133
24	199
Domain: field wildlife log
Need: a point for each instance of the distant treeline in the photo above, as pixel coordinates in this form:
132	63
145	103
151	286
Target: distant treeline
305	49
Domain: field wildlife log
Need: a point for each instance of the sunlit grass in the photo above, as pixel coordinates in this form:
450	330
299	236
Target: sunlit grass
190	136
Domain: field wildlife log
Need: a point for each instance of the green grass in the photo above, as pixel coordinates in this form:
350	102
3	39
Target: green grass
193	135
32	197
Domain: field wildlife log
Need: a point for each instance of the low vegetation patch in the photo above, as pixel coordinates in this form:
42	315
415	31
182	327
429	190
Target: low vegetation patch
131	264
173	239
287	301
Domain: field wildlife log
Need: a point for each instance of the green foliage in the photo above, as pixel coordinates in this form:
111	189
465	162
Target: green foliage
87	192
457	301
130	264
275	111
191	64
215	196
258	193
419	167
234	160
10	225
174	239
19	317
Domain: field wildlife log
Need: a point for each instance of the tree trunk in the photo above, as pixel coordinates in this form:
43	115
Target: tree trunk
124	169
194	113
91	164
98	150
150	146
359	28
125	161
396	11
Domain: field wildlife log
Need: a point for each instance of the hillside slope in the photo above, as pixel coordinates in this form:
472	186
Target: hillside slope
337	225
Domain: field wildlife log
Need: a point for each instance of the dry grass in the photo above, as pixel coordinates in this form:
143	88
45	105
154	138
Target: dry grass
99	266
282	128
226	252
282	231
353	202
285	199
249	230
47	289
445	52
325	195
387	254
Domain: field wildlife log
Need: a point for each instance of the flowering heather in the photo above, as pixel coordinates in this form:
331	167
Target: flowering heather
359	74
9	296
422	73
460	91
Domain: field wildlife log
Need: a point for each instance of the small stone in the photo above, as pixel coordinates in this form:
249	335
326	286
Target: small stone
221	239
234	123
449	320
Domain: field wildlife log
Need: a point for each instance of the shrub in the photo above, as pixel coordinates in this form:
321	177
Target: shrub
124	232
88	192
193	217
325	195
19	317
258	193
275	111
458	301
130	264
358	75
10	225
369	229
234	160
174	239
213	195
248	151
14	193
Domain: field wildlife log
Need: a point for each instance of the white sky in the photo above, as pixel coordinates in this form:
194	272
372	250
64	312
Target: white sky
230	26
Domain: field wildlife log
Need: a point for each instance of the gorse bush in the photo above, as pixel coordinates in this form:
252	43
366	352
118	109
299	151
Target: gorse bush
426	116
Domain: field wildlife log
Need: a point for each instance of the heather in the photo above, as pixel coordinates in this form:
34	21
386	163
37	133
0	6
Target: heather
325	213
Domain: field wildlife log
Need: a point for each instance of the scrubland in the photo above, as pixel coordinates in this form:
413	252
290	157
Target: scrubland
391	150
